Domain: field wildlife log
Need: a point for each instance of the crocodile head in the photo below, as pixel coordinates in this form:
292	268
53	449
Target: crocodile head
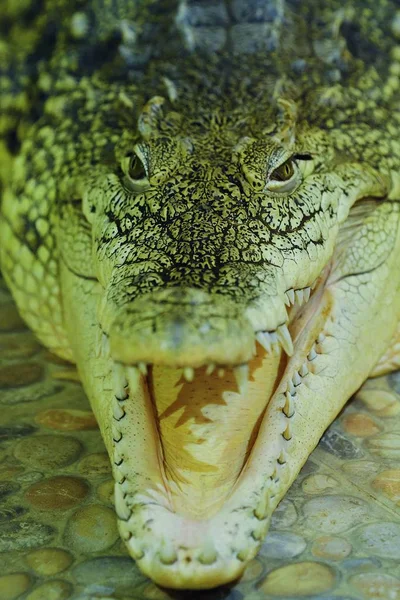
238	258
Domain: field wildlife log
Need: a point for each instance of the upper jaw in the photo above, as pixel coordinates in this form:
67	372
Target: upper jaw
180	327
177	327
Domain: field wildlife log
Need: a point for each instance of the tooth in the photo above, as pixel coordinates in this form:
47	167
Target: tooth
105	345
282	459
258	532
210	368
142	368
221	372
303	370
299	296
168	553
307	293
116	434
188	373
262	506
320	338
120	479
208	554
125	533
134	378
292	389
290	296
121	508
264	340
117	459
274	341
136	548
288	409
287	434
285	339
118	411
243	554
312	354
120	383
296	378
241	374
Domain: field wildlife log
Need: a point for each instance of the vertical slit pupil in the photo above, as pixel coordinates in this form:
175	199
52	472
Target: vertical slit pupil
284	172
136	168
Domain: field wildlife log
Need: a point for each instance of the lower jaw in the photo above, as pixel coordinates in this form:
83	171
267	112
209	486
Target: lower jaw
184	530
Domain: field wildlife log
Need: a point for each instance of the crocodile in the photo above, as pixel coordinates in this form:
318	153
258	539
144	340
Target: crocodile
201	210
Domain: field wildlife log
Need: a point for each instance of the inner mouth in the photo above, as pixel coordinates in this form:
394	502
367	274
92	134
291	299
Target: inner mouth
207	427
208	418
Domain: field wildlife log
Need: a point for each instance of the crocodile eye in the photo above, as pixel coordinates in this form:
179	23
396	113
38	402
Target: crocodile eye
283	172
284	178
136	168
135	175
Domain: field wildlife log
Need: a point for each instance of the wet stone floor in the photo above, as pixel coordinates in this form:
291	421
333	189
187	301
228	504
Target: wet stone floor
335	535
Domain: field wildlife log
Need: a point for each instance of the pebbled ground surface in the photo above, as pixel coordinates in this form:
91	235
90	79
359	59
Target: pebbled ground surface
336	535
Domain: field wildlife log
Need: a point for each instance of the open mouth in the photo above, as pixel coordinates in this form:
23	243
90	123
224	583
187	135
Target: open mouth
201	431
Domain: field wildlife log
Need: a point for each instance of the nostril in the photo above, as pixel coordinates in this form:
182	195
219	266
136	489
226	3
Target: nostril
205	328
177	332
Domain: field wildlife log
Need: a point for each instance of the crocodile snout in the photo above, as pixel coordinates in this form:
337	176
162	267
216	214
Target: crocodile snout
182	327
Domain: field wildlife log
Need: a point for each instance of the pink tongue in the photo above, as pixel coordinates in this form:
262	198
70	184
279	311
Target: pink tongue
207	429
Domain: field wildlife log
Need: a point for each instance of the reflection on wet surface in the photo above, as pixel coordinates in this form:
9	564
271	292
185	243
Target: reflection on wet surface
335	535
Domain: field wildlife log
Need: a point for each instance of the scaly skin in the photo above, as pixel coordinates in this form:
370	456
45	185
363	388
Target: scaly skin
234	216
